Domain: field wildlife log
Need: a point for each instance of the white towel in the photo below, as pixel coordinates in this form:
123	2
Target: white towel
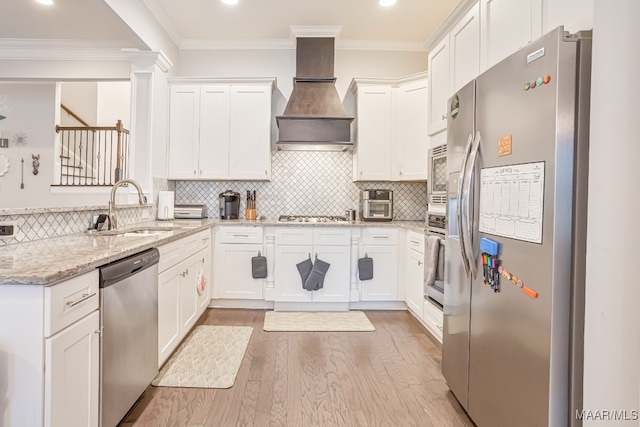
431	253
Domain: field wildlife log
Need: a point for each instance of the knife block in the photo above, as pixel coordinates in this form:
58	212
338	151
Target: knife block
250	214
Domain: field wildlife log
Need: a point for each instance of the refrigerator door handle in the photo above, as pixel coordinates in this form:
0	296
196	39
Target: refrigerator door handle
471	258
461	201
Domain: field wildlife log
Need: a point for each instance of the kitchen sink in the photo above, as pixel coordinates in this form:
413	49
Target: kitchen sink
140	231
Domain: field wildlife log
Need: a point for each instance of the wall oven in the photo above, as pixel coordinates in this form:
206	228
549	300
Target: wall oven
436	226
437	182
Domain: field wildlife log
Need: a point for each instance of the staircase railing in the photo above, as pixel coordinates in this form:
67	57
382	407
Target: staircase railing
93	155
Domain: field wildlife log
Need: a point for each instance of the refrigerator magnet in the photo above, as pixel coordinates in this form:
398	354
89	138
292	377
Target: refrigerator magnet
504	146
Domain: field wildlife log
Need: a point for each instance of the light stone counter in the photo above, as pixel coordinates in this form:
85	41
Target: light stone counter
47	261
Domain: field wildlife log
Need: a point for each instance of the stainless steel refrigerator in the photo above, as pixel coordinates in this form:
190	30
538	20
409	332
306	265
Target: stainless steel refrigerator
517	148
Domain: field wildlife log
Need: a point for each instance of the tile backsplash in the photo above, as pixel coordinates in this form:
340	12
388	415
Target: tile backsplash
306	183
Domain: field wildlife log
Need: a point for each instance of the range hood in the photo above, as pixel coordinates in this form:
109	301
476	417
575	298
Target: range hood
314	118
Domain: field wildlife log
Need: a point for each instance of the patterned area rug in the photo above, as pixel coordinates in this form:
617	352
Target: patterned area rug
317	321
209	358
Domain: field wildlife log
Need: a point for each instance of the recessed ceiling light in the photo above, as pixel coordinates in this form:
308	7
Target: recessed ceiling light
387	3
230	1
47	2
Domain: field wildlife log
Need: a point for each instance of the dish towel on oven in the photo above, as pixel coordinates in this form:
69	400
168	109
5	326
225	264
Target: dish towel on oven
431	259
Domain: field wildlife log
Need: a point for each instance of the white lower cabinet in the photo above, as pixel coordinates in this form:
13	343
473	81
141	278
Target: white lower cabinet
72	384
49	353
381	245
235	246
331	245
181	298
414	273
433	319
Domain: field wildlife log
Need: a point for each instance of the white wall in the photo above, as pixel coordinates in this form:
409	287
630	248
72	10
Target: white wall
82	99
113	103
612	340
575	15
281	63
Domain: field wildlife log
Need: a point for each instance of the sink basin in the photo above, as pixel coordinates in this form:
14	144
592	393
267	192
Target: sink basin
140	231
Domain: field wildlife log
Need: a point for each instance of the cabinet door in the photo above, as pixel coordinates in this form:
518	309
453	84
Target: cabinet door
168	311
288	284
184	128
414	286
250	133
413	143
213	158
439	86
72	381
234	267
507	25
204	280
384	285
188	293
337	280
464	50
373	149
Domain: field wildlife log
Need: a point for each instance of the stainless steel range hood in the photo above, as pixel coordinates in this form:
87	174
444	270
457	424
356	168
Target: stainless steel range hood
314	118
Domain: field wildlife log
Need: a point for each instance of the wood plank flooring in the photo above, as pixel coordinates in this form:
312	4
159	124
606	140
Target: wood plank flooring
390	377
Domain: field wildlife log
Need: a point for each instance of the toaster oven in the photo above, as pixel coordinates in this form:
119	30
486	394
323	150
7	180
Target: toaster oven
376	205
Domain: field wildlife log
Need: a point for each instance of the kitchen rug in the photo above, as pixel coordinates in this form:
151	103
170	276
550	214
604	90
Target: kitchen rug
209	358
317	321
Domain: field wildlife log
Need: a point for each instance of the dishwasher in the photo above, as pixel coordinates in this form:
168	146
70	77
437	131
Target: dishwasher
129	332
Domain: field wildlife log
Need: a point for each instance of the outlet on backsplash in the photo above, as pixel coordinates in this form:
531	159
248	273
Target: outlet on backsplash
7	229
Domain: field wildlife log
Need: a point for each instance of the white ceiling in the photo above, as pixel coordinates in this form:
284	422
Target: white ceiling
209	23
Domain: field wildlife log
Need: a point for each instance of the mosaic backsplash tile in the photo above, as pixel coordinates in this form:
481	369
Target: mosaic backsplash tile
306	183
44	223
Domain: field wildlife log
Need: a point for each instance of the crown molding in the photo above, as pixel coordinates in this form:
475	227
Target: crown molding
62	49
146	58
315	31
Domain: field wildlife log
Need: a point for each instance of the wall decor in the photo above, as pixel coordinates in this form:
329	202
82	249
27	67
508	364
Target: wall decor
35	162
4	164
19	139
3	108
22	176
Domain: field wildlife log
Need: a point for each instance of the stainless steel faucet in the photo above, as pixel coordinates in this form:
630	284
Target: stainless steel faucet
142	199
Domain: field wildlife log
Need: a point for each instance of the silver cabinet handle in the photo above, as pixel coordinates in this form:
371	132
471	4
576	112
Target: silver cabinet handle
83	298
195	172
415	241
419	262
240	235
380	237
444	117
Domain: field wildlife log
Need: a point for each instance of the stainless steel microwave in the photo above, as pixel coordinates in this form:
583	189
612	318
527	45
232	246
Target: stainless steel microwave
377	205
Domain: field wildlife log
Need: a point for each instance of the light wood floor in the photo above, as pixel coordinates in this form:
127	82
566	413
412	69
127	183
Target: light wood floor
390	377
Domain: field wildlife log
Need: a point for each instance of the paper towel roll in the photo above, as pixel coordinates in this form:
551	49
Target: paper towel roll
166	201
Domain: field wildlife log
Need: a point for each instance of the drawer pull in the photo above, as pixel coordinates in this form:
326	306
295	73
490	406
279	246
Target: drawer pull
415	241
240	235
83	298
380	237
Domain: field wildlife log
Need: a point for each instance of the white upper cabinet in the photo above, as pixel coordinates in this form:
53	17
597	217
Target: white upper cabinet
575	15
184	132
373	134
409	149
464	49
214	132
250	148
220	130
507	25
440	85
390	128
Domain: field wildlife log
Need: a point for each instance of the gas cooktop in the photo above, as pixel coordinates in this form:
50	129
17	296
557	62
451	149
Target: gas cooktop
318	218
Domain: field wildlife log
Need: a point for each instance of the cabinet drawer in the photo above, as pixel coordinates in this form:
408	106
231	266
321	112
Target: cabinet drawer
294	236
69	301
204	239
433	313
331	236
379	236
415	241
240	234
174	252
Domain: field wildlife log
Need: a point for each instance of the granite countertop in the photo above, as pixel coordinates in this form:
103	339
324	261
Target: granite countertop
47	261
